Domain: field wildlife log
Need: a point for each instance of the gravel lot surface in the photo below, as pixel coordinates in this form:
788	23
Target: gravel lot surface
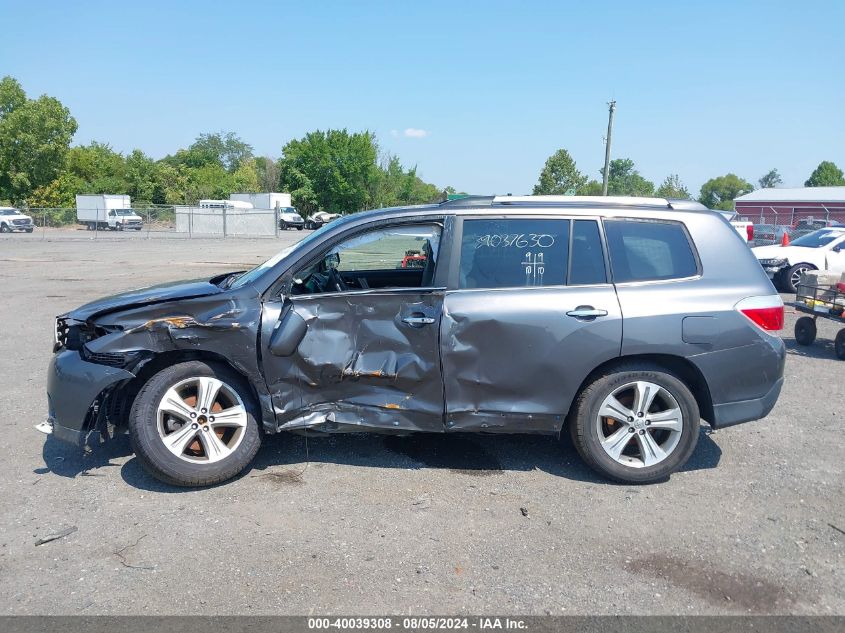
364	524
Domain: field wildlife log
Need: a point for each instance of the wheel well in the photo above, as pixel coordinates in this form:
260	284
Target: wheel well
688	373
165	359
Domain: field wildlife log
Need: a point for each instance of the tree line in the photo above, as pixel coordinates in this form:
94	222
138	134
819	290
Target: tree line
332	170
560	176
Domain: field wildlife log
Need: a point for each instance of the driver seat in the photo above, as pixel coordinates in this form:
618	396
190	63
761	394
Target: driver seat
428	269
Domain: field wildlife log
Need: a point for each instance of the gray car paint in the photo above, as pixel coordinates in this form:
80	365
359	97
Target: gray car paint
511	360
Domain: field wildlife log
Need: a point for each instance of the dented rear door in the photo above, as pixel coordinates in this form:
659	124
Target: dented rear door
529	314
366	359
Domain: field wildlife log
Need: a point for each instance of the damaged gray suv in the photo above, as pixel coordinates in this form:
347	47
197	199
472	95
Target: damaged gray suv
617	322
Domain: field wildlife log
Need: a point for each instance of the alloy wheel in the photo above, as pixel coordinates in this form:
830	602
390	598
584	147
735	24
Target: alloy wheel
639	424
201	420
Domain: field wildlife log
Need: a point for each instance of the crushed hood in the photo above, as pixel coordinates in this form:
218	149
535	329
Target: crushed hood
145	296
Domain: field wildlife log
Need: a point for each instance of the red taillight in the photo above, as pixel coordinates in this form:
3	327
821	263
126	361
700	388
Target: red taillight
767	318
765	312
749	230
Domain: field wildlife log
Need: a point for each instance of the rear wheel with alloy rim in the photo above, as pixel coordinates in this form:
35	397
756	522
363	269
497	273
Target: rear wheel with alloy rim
635	424
194	424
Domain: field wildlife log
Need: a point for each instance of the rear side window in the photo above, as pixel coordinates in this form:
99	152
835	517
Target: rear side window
514	253
646	251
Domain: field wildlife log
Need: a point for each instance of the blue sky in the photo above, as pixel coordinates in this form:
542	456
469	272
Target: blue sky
488	89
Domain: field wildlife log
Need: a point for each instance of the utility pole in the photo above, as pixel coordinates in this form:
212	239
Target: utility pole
612	108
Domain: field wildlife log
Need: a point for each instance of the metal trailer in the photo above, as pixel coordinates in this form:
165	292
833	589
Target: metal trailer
269	200
820	302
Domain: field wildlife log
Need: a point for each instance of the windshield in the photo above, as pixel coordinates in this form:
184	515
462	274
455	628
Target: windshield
817	239
9	212
251	275
125	212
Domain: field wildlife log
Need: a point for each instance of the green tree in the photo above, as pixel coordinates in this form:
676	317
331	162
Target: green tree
339	167
827	174
141	175
770	179
591	188
61	193
625	180
35	135
672	187
300	188
559	175
268	173
719	193
101	169
245	178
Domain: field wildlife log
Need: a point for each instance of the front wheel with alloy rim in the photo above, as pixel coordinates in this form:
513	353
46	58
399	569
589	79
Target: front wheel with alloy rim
635	424
194	424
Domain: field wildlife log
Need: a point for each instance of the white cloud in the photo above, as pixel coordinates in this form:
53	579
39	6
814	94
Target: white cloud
413	132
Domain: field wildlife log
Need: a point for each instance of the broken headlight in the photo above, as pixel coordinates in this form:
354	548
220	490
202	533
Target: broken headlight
72	334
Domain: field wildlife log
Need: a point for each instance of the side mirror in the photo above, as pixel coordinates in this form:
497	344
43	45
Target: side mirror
288	334
837	248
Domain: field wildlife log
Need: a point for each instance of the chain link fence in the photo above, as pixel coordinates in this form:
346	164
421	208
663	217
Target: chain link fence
160	221
772	223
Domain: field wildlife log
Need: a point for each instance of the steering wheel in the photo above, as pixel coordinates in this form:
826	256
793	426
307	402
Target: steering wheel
336	281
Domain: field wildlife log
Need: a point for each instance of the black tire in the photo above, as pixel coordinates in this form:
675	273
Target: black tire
299	228
148	445
4	228
29	230
585	434
790	277
805	330
283	225
839	344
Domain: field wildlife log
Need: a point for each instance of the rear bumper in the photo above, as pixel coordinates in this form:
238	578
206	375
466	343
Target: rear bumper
73	386
732	413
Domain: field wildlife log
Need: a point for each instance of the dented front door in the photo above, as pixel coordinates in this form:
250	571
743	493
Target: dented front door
355	359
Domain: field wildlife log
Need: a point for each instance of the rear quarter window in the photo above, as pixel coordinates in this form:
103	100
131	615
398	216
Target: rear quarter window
649	251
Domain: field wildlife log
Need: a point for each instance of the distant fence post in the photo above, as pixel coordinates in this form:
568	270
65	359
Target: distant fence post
44	224
148	223
190	222
276	220
224	221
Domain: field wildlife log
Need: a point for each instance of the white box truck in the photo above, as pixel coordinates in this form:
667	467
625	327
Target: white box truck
107	211
263	200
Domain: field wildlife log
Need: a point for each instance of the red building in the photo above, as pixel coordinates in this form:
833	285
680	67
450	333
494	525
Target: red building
787	207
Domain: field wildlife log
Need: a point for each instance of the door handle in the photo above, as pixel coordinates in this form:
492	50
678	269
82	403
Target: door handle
586	312
418	321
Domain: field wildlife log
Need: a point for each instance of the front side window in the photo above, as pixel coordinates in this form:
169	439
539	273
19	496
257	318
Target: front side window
391	257
514	253
649	251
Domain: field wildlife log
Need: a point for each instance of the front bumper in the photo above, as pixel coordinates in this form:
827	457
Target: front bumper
73	386
22	227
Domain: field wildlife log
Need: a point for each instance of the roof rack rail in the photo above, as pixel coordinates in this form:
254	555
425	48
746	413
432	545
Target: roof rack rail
608	201
681	204
468	201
